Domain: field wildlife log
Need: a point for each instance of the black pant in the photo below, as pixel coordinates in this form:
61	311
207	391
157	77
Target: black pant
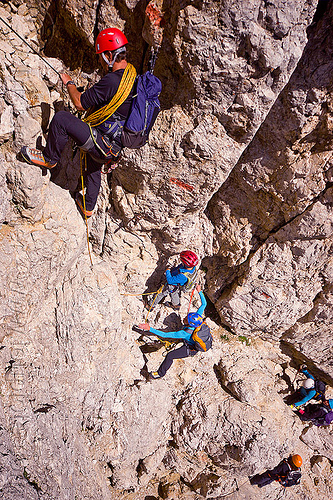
63	126
261	479
182	352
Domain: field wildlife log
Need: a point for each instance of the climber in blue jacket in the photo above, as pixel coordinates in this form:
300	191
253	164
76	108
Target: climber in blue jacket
194	320
176	278
310	389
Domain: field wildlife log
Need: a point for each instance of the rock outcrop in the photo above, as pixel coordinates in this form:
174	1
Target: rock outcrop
238	168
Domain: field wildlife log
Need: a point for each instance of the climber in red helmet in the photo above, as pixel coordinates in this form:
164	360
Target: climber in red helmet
100	141
180	278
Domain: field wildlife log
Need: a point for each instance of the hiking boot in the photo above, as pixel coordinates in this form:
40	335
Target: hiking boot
170	304
35	157
80	204
154	375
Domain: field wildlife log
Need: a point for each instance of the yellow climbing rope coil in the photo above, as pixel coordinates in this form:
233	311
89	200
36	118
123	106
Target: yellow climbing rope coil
101	115
98	117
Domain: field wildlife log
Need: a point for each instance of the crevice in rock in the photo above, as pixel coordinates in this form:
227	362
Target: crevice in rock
221	380
236	273
110	478
212	313
298	358
97	12
44	409
32	482
141	468
68	43
186	483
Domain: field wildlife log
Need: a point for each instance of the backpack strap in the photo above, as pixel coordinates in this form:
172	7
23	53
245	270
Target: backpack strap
126	84
191	280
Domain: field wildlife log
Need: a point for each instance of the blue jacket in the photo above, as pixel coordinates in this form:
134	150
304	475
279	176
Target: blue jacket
307	393
183	334
176	275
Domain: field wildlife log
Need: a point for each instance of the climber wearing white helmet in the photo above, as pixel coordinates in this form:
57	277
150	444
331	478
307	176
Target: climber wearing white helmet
311	389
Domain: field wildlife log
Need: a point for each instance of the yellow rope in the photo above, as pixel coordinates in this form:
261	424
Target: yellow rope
158	291
126	83
138	294
83	158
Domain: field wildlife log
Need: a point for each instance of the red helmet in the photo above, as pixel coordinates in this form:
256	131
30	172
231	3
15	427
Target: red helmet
188	258
110	39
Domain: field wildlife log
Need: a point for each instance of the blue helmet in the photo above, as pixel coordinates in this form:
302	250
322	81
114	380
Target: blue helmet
194	319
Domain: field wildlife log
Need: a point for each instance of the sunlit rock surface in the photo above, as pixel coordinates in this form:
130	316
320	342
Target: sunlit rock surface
238	168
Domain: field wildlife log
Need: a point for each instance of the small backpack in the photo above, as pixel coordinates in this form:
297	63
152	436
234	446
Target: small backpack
325	420
293	477
144	110
191	281
202	338
328	418
320	388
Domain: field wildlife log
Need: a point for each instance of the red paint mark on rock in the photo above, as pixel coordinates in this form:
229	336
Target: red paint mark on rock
154	15
181	184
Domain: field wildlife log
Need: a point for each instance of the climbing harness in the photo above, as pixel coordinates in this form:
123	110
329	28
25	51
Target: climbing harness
30	47
83	159
96	118
168	346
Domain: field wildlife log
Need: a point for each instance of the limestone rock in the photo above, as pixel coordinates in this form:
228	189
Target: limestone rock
284	169
6	122
283	276
238	168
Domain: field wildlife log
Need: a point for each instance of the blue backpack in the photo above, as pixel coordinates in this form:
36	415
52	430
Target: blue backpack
144	110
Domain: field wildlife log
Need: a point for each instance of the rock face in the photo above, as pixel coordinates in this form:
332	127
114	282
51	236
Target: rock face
238	168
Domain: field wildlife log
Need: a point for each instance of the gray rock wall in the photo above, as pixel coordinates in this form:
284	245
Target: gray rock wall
238	168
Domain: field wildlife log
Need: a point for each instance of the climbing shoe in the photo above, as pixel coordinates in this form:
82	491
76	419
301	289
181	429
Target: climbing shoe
80	205
35	157
170	304
154	375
